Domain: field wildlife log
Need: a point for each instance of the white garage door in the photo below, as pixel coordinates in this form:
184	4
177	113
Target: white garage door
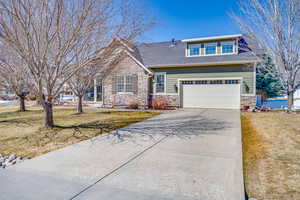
211	94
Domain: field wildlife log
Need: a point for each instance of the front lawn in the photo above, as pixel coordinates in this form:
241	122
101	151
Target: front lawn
22	134
271	151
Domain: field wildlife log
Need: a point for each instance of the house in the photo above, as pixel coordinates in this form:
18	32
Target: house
210	72
297	99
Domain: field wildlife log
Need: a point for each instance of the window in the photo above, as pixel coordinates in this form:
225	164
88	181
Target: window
231	81
120	83
187	82
210	48
125	83
201	82
194	49
160	83
216	82
227	47
129	84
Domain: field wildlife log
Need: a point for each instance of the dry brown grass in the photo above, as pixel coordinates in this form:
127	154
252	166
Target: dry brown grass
22	134
271	145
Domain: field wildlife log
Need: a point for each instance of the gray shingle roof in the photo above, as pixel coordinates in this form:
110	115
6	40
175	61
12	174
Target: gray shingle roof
164	54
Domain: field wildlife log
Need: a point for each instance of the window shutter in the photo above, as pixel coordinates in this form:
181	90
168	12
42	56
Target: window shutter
135	83
114	85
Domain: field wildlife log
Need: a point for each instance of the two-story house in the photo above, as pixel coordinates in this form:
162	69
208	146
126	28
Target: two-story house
210	72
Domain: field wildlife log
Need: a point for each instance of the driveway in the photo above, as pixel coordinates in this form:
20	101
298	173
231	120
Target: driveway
182	155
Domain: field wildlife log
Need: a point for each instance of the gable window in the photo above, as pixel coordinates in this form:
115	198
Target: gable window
125	83
210	48
160	82
194	49
227	47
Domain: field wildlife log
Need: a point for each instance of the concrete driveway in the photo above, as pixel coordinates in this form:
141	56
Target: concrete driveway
181	155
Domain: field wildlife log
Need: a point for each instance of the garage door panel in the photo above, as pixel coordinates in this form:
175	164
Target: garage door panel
211	96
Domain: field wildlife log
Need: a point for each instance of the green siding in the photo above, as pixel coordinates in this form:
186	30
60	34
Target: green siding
173	74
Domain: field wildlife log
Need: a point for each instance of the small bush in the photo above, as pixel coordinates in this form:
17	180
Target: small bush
31	97
160	104
133	105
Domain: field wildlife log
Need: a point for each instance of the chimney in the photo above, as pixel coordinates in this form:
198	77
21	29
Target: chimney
173	42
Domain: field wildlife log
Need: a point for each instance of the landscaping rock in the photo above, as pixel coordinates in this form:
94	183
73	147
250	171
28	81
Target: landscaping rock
7	161
12	157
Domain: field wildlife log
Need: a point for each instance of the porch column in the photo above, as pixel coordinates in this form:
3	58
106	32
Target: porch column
95	90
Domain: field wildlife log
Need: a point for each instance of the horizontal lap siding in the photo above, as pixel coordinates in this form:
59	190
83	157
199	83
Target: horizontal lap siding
209	72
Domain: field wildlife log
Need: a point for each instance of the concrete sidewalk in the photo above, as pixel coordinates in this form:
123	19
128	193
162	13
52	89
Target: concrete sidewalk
186	155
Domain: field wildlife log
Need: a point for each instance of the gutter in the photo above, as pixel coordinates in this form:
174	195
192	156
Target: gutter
206	64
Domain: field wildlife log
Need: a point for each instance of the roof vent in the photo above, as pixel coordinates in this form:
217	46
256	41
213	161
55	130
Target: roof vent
173	42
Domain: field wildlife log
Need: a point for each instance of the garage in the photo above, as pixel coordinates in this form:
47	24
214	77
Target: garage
221	94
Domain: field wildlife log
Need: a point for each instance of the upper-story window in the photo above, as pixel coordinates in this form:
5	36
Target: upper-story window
227	47
194	49
210	48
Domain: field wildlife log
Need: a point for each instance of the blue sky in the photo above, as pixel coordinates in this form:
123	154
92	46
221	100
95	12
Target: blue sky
182	19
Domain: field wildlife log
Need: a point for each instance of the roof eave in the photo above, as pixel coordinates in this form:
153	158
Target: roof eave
206	64
223	37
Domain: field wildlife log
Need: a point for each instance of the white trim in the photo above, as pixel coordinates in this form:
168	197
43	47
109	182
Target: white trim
248	95
254	78
125	93
170	94
138	62
233	48
123	43
213	38
165	83
205	64
187	53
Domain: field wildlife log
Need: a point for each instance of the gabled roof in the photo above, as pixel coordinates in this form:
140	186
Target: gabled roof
164	54
132	51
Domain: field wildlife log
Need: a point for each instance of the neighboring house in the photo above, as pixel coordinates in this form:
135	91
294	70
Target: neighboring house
211	72
297	99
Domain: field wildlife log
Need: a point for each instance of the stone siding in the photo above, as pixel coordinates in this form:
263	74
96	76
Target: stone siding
171	100
174	100
248	101
126	67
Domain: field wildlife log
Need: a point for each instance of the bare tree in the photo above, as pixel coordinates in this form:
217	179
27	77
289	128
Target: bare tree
132	22
14	75
84	78
274	26
50	35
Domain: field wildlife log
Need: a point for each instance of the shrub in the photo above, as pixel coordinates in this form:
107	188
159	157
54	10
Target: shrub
160	104
133	105
31	97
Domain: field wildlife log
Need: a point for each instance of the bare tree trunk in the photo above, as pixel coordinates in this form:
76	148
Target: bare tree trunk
290	100
22	103
48	112
79	105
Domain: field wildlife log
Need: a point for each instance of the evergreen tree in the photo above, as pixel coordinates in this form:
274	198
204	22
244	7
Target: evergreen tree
267	78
